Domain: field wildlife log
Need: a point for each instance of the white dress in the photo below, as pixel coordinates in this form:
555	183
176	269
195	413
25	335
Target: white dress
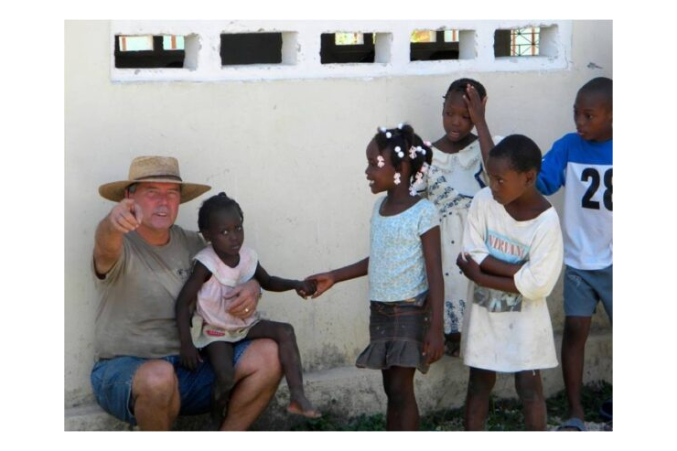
452	181
509	332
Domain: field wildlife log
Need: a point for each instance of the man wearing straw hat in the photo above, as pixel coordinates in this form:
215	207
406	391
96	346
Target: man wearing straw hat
141	261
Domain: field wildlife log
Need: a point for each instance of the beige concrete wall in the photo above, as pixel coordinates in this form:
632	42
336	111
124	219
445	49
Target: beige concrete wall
292	153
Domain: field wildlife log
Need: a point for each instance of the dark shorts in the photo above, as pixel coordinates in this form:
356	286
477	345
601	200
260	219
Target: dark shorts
112	383
583	289
397	332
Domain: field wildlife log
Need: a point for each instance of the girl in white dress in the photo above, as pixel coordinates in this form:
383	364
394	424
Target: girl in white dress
456	175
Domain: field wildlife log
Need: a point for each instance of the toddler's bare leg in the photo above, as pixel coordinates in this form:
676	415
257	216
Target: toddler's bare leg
290	359
220	355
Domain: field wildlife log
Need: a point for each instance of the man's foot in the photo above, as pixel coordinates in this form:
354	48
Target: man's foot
301	406
452	344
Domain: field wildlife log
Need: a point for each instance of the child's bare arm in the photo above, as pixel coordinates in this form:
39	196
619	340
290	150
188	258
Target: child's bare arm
185	304
272	283
476	108
494	266
326	280
433	347
474	272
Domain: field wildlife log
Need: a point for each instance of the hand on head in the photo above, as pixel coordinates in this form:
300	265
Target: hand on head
125	216
476	106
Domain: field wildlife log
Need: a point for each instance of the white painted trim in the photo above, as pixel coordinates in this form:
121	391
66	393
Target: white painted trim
301	49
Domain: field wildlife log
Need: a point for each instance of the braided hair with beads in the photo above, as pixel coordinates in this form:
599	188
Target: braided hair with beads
405	145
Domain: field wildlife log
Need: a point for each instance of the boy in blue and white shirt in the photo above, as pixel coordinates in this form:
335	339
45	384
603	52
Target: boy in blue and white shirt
583	162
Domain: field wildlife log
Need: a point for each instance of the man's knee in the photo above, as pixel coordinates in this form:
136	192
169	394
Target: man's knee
261	357
156	380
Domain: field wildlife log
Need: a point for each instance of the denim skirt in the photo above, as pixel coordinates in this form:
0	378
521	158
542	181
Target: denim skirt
397	331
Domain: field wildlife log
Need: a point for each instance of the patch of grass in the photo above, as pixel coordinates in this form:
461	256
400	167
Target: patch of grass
330	422
504	414
592	397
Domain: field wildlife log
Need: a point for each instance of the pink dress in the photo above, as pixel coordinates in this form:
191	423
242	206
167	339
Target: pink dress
212	321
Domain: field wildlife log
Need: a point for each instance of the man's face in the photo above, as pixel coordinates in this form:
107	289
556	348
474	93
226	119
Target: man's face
159	204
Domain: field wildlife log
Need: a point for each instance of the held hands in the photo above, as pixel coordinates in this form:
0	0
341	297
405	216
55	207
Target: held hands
189	356
305	288
469	266
125	216
475	106
322	281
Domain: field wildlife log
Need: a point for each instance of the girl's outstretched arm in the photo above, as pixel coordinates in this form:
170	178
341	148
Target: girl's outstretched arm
433	347
274	283
185	304
326	280
476	108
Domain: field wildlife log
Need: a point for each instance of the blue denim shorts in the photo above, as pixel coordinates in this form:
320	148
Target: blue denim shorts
583	289
112	383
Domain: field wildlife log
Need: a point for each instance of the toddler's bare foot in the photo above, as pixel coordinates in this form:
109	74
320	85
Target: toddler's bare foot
301	406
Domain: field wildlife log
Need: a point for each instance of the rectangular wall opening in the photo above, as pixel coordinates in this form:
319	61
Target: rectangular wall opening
251	48
434	45
525	42
149	51
341	48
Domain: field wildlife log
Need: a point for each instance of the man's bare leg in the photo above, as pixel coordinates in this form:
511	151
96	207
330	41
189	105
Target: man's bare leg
257	375
155	396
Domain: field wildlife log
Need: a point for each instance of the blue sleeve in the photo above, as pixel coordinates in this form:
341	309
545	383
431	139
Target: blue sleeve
429	217
551	177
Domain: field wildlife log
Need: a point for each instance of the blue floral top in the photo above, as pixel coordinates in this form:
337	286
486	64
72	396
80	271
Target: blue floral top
396	264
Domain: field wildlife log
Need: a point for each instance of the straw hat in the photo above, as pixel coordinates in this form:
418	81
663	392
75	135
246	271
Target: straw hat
153	169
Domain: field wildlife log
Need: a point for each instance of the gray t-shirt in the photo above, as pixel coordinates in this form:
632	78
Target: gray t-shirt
136	315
